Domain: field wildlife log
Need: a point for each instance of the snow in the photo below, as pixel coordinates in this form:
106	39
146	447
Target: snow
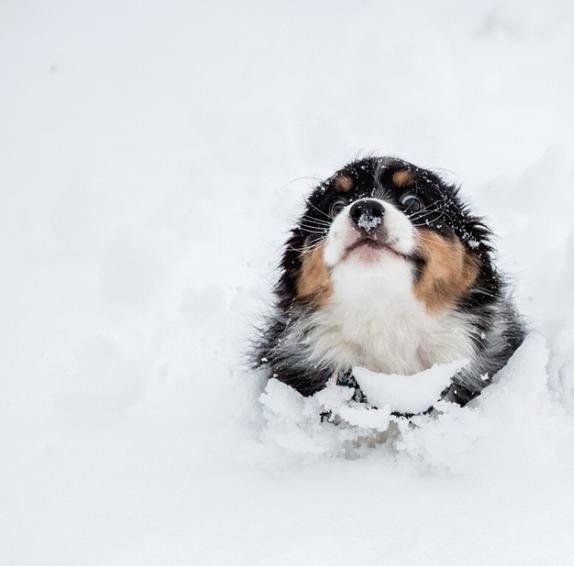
152	159
407	393
368	222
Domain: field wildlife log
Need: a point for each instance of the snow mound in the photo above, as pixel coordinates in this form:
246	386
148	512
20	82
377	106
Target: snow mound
512	426
328	422
518	405
407	393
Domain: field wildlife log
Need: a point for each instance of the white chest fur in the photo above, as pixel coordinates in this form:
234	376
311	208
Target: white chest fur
374	320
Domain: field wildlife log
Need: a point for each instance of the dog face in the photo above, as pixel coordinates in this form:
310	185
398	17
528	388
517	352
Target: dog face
393	224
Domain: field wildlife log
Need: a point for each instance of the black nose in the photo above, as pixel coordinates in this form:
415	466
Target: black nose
367	214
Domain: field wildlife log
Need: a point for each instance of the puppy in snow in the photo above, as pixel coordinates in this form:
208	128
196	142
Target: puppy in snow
388	269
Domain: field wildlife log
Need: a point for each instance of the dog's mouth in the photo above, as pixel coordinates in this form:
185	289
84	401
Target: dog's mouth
375	245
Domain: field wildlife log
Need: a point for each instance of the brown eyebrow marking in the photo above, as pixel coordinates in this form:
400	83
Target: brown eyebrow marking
403	177
343	183
314	280
449	271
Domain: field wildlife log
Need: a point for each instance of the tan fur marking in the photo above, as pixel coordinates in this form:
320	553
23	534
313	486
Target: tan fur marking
402	178
448	274
343	183
314	281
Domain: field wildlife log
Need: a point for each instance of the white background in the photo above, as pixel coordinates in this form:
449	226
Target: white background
153	156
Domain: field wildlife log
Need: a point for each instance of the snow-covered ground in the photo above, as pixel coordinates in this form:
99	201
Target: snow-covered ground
152	158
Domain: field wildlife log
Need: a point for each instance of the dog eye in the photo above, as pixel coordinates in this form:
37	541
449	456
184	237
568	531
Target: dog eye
411	203
336	207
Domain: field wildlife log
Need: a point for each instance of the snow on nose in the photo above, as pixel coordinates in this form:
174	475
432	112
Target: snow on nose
368	223
367	214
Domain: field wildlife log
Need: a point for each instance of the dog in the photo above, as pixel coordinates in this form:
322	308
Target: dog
389	270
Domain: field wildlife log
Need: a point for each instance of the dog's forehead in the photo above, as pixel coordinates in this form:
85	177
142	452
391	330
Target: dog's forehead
369	174
383	177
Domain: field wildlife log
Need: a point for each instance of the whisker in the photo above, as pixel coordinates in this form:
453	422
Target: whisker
302	178
318	222
306	249
319	210
436	207
313	228
316	218
441	214
431	213
427	222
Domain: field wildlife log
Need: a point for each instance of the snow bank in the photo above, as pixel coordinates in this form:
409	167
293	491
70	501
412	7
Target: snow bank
451	438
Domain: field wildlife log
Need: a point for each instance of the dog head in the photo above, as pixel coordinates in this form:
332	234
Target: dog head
389	223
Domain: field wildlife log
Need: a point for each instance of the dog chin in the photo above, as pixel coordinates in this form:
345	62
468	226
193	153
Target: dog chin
366	250
371	250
